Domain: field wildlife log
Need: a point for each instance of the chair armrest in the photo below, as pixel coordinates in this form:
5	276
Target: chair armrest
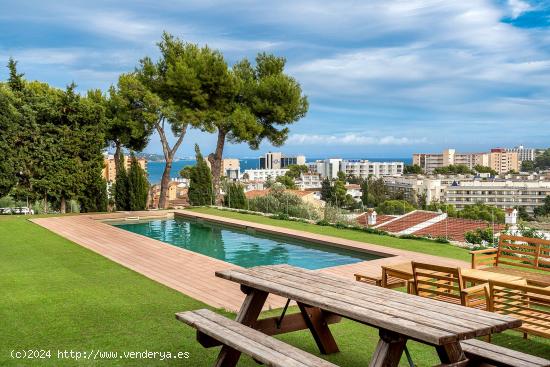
484	251
476	289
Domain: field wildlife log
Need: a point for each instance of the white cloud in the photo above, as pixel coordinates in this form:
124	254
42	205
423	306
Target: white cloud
518	7
351	139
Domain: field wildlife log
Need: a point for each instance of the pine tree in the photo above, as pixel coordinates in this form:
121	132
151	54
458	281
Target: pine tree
121	186
138	186
200	187
15	81
365	192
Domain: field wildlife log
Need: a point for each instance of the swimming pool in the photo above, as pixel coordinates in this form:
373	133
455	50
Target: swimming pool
241	247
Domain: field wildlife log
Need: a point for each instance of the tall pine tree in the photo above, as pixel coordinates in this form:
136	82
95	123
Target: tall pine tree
200	187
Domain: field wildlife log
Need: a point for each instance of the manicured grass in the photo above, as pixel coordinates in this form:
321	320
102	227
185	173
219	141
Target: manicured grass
57	295
425	247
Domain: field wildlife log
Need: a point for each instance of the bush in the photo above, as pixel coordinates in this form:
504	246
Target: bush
479	236
323	222
393	207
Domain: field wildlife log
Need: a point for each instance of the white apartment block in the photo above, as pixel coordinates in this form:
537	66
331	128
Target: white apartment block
277	160
500	193
434	187
264	174
524	154
309	181
358	168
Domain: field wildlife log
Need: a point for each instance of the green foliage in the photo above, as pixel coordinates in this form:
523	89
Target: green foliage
412	169
542	161
453	169
295	170
338	196
522	213
541	211
138	186
435	206
484	169
121	190
286	181
200	186
481	211
527	166
280	201
326	190
480	236
394	207
185	172
9	121
365	192
234	196
529	232
96	199
377	191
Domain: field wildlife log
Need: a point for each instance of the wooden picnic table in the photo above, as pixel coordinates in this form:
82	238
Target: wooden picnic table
404	271
398	316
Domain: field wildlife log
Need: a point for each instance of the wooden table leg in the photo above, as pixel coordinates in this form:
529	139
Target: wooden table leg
384	278
389	349
450	353
315	321
248	314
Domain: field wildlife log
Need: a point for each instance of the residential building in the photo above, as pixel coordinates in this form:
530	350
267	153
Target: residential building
500	193
524	154
276	160
263	174
357	168
502	161
109	166
231	168
413	186
354	190
498	159
309	181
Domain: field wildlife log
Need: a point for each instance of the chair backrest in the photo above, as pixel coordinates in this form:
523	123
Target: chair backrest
525	252
435	281
527	303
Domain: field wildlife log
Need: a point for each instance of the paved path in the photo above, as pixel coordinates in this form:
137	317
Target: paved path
192	273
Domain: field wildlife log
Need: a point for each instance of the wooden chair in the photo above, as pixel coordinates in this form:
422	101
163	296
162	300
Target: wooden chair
528	303
446	284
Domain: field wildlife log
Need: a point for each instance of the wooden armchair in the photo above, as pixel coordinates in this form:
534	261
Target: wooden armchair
446	284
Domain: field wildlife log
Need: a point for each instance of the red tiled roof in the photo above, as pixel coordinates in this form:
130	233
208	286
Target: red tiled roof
455	228
353	186
408	220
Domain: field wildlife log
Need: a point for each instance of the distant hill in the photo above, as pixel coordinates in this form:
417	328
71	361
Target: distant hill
151	157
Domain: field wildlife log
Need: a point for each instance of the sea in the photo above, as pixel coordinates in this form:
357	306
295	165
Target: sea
155	169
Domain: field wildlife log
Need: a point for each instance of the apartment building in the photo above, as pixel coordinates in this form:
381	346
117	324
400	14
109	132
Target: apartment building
358	168
276	160
263	174
309	181
524	154
109	166
231	168
500	193
498	159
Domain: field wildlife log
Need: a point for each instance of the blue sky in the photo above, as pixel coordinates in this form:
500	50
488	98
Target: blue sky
384	78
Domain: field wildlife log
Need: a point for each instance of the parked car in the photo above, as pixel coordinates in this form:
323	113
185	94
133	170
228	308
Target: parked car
22	210
5	211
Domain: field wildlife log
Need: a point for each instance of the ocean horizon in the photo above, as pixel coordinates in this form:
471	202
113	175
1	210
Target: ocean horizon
155	169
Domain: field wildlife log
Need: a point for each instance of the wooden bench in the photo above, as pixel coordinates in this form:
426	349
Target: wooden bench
482	352
236	336
377	280
525	257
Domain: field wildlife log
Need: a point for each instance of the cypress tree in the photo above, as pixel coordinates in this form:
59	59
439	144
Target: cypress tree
200	186
326	190
235	197
121	186
138	186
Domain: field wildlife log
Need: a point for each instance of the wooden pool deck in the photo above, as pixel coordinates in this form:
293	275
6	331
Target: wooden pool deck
192	273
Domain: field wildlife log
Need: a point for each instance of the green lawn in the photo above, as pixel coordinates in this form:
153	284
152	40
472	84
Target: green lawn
426	247
57	295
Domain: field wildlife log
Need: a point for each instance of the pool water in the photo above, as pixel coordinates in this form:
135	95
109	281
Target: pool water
243	248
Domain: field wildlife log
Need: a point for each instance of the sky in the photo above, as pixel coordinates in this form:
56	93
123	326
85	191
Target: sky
383	78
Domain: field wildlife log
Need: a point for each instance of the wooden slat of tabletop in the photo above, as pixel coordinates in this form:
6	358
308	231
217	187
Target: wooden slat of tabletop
456	311
464	328
447	308
414	330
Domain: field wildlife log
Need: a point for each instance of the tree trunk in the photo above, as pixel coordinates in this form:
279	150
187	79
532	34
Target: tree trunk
63	205
215	160
118	148
163	200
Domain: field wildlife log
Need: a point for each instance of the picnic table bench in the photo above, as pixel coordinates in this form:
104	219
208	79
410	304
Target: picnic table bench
322	298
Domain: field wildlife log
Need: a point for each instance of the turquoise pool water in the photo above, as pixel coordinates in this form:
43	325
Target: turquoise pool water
241	247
